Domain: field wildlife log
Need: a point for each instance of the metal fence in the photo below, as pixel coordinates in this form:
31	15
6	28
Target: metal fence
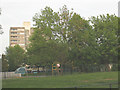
6	75
67	70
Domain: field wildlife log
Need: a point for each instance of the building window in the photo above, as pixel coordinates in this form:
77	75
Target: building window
22	33
13	29
13	32
14	40
13	36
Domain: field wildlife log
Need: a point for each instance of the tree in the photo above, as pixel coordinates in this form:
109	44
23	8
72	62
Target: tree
96	45
65	16
44	52
48	42
81	41
119	42
4	64
53	25
15	56
45	22
106	33
67	37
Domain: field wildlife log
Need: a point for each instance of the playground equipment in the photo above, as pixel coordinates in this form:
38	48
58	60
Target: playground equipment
56	68
21	70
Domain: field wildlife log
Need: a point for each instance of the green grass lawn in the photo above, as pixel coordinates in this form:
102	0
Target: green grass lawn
84	80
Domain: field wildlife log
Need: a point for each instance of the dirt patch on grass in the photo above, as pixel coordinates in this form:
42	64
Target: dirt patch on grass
85	81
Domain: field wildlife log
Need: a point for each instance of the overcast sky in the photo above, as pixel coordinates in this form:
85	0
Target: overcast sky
15	12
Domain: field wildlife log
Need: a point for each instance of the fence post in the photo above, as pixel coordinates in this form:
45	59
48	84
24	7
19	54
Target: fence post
75	88
110	86
5	75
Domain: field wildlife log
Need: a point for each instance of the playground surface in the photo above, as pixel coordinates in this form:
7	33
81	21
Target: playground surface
79	80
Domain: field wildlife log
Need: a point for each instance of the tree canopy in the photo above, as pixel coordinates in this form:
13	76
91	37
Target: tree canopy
15	56
66	37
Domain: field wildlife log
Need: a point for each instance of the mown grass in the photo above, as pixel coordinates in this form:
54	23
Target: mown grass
84	80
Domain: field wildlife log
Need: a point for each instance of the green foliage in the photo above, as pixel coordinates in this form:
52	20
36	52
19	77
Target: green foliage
119	42
53	25
49	37
81	41
45	52
106	34
4	64
66	37
15	56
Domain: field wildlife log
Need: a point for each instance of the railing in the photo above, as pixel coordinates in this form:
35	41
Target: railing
6	75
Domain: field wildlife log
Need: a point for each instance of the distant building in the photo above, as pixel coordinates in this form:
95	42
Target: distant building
20	35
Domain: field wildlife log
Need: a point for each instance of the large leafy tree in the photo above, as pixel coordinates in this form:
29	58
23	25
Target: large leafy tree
81	41
53	25
67	37
93	45
48	42
106	34
15	56
44	52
